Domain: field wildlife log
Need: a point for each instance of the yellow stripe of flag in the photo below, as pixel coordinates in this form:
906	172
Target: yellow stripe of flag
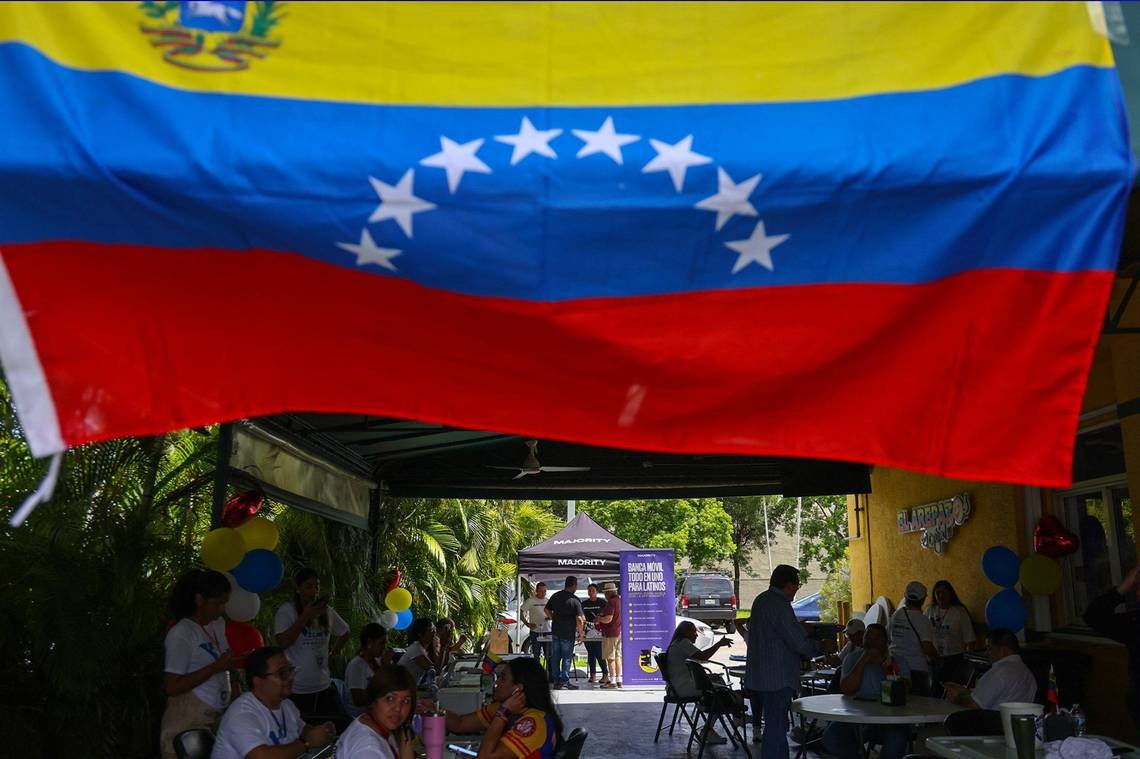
581	54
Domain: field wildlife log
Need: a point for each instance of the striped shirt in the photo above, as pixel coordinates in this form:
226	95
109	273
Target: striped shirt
776	643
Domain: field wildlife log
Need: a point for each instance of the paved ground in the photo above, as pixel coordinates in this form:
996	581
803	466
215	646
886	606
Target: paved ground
622	722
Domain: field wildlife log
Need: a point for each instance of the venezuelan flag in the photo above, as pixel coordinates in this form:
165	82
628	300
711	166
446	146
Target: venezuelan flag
490	661
859	231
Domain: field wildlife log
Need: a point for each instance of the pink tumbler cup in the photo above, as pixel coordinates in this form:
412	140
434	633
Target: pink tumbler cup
435	735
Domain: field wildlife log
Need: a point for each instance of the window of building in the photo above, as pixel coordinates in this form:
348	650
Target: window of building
1099	511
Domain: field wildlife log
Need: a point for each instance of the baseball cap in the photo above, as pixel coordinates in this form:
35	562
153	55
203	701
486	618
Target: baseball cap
854	626
915	591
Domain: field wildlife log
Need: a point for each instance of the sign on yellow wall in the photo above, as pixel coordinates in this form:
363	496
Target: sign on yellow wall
936	520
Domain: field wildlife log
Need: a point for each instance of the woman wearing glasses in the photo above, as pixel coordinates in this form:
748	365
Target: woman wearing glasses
264	723
382	732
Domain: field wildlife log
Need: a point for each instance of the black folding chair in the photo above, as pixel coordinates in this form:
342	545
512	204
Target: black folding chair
571	748
715	704
194	744
680	703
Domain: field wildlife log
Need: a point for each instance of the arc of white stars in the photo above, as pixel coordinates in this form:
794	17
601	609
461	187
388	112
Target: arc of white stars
457	159
529	140
756	249
367	252
676	159
398	201
731	198
604	140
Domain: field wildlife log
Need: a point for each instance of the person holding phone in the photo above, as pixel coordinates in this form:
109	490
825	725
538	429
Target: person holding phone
525	725
383	731
304	627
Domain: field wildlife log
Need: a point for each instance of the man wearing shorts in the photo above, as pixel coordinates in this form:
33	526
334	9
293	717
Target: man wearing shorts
610	619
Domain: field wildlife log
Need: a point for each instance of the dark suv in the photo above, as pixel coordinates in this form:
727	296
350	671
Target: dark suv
709	598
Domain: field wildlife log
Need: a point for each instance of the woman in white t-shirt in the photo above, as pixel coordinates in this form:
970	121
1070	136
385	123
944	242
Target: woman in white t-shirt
417	657
197	661
383	731
373	652
304	627
953	634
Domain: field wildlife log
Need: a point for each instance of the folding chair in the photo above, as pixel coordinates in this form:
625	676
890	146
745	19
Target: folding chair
716	702
680	704
194	744
571	748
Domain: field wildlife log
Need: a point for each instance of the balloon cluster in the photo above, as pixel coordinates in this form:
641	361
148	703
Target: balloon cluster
1040	573
399	602
243	551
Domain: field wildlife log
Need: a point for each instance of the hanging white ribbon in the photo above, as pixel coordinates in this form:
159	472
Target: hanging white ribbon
41	494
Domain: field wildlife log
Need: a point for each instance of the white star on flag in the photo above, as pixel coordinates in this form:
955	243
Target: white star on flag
457	159
367	252
675	159
530	140
397	202
605	140
756	249
730	198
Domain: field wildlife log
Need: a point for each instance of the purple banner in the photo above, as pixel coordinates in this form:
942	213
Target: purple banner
648	613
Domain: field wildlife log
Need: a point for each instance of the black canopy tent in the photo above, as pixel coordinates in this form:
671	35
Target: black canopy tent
582	547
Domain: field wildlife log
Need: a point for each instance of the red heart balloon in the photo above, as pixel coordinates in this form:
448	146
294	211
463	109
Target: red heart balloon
241	508
1050	538
396	577
243	638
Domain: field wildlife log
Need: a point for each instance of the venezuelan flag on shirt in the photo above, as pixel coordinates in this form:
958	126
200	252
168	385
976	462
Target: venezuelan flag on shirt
870	232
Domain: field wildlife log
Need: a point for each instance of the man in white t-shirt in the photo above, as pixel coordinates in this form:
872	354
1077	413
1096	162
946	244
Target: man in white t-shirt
264	723
534	617
1008	680
912	638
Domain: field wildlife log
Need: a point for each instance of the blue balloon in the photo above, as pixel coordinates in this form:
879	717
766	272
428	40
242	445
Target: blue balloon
1001	566
260	571
1006	609
403	619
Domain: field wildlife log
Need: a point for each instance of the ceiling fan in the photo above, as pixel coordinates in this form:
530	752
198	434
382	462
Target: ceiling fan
531	465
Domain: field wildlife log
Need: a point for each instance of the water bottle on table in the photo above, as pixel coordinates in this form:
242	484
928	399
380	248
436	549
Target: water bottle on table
1080	723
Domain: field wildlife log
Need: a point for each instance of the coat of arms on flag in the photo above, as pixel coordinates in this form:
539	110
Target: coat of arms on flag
211	35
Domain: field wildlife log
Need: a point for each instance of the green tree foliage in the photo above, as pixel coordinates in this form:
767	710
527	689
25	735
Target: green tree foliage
748	531
836	590
696	529
822	528
84	583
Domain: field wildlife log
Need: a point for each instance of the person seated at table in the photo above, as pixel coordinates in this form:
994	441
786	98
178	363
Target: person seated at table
264	723
417	658
373	652
383	731
683	647
854	633
446	647
525	725
863	674
1007	680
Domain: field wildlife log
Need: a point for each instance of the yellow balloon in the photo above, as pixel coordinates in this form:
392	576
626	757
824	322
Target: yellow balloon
398	599
1040	575
259	532
223	549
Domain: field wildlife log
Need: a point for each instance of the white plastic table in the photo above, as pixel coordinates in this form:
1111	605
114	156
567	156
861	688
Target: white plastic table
993	747
917	710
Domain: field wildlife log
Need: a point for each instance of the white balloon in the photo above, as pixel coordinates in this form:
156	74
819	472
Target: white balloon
243	605
388	619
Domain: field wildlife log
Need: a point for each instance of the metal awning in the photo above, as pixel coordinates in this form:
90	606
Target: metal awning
415	459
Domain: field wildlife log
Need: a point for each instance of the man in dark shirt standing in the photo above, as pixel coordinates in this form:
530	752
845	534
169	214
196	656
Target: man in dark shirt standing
567	623
592	606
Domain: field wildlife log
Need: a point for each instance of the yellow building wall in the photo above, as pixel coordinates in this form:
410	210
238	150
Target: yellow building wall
888	559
